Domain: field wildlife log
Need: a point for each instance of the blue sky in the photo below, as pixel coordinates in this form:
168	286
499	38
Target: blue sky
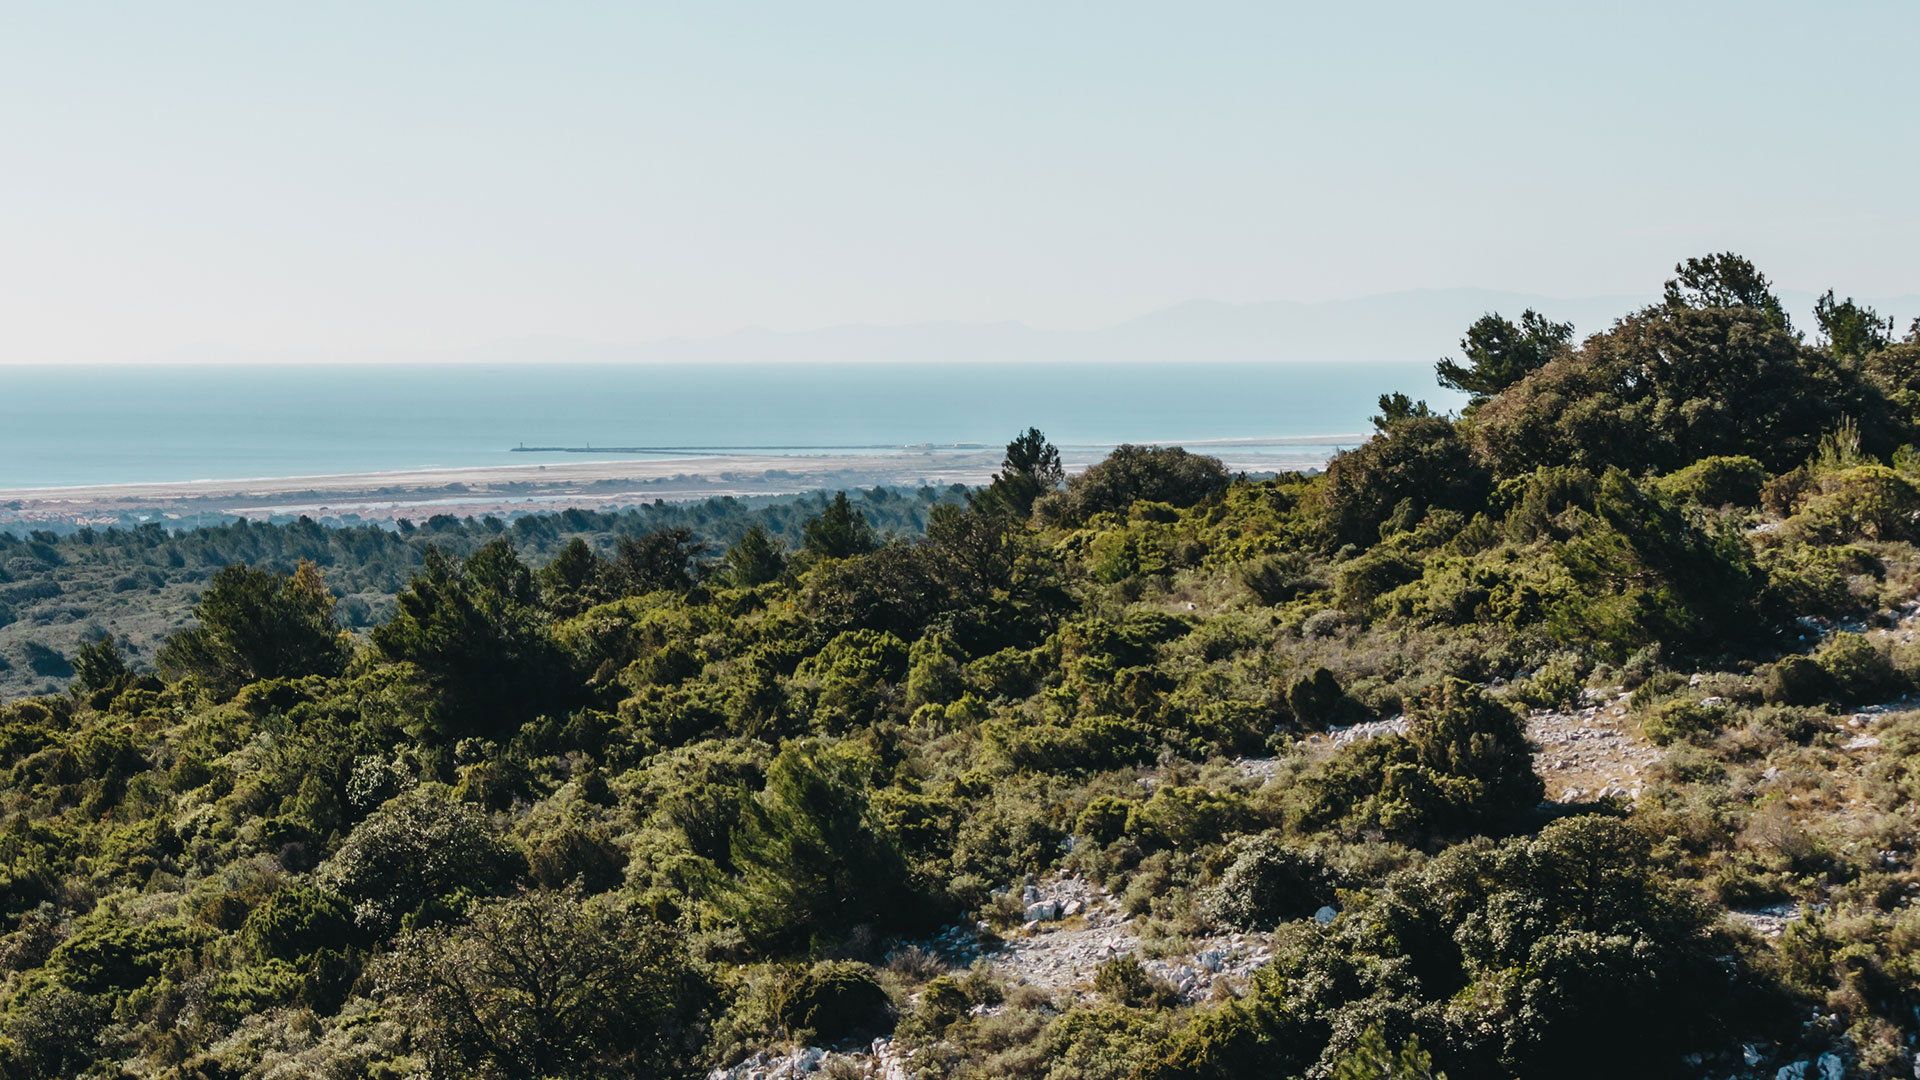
379	178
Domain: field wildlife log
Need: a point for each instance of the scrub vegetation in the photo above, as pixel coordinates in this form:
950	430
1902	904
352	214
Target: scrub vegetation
638	796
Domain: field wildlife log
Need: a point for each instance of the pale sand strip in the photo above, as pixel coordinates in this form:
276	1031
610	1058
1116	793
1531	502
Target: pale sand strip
507	489
558	474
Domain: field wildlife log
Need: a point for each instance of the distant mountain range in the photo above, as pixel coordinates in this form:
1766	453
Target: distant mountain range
1402	327
1415	327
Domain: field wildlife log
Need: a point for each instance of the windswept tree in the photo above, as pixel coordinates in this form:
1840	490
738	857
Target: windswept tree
755	559
1030	469
1724	280
1396	408
839	532
99	664
664	559
574	581
814	856
1497	353
1851	329
256	624
475	633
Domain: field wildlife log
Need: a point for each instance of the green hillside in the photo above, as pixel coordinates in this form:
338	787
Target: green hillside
1561	738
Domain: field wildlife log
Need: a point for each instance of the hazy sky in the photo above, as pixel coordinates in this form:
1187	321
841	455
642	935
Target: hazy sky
388	177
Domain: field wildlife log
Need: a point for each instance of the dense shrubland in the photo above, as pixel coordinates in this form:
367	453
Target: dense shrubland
613	802
59	591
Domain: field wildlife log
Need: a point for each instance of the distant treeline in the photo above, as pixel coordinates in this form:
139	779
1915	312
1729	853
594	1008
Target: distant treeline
58	589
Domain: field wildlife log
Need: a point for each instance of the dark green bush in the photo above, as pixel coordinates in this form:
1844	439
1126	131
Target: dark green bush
1372	1059
1717	481
52	1035
833	1000
1556	684
1123	981
1168	475
1104	819
418	849
1266	883
544	985
1421	462
295	922
1797	680
943	1003
106	954
1861	669
1278	579
1465	766
1866	502
1318	701
1677	719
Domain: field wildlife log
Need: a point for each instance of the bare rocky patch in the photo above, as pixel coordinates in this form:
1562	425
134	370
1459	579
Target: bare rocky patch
1591	752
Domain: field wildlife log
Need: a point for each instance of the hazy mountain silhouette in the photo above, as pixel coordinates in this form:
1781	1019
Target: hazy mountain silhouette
1412	327
1420	325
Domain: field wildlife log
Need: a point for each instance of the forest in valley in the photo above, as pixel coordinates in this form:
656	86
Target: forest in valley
1151	772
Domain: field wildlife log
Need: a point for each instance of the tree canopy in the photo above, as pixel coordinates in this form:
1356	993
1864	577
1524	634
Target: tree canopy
255	624
1497	353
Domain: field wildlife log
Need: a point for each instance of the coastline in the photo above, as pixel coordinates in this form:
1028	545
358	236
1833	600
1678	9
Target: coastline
502	490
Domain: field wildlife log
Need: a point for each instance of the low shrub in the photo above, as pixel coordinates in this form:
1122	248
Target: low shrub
1123	981
1861	669
1796	680
1678	719
1733	480
835	999
1267	883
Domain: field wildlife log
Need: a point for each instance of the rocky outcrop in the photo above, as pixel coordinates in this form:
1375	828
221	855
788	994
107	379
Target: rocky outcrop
1073	926
880	1060
1592	752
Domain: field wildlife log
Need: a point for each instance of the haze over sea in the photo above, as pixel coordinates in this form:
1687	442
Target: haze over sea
154	423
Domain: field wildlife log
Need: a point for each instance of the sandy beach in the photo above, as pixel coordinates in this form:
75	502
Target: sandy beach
508	489
488	490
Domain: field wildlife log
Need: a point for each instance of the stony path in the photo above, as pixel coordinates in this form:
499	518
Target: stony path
1585	753
1083	927
1080	926
1591	752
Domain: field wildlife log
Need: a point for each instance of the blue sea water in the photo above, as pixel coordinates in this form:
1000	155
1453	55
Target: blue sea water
129	424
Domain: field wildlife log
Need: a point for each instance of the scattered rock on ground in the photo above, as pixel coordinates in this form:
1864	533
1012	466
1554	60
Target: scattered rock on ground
1590	752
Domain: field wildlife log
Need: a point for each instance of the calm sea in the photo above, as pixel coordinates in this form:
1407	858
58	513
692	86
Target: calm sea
96	425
